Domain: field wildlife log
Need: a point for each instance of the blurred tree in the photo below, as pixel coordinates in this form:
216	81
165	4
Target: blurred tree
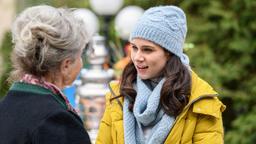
22	4
244	128
146	4
224	36
5	50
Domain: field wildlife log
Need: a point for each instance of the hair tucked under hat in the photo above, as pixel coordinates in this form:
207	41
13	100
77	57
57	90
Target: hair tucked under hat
165	26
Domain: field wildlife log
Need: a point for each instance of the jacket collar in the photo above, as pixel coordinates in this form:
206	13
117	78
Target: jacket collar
203	98
31	88
200	88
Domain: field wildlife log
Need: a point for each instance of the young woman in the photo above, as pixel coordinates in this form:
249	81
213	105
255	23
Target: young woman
48	45
159	98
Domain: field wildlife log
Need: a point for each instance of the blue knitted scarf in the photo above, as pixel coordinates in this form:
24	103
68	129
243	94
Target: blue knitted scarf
146	112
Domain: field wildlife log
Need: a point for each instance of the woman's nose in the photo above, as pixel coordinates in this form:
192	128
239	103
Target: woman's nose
138	56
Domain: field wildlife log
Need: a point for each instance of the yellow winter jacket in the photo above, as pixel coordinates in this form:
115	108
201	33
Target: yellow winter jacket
199	123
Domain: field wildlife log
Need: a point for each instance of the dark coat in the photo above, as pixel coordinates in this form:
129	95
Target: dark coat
31	114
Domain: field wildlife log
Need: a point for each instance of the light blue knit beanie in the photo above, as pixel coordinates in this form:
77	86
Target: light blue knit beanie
165	26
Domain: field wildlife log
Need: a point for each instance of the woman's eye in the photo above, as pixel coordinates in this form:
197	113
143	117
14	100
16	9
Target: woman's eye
134	48
147	50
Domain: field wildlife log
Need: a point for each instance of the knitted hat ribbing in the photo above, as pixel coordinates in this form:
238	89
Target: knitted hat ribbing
165	26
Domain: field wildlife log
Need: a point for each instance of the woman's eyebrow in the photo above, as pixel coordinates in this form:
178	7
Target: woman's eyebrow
147	46
143	46
133	44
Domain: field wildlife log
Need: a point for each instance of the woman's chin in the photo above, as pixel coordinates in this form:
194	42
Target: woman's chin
143	77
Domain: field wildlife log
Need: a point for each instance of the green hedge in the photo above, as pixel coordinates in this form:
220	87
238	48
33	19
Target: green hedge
224	35
5	50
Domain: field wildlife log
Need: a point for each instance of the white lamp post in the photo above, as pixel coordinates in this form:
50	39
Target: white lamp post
89	18
126	20
106	7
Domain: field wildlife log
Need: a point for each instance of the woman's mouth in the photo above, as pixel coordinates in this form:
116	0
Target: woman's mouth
142	69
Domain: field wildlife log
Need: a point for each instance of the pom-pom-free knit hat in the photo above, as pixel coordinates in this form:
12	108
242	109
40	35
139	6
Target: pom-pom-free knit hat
165	26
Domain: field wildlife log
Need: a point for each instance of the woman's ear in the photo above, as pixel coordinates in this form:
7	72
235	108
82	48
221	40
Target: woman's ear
65	67
168	54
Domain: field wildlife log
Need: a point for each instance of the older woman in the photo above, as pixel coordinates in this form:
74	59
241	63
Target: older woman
48	45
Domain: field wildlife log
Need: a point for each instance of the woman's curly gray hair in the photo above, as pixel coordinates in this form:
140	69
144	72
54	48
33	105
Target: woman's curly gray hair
43	37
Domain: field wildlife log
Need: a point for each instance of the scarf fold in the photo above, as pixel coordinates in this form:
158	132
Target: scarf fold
30	79
146	112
